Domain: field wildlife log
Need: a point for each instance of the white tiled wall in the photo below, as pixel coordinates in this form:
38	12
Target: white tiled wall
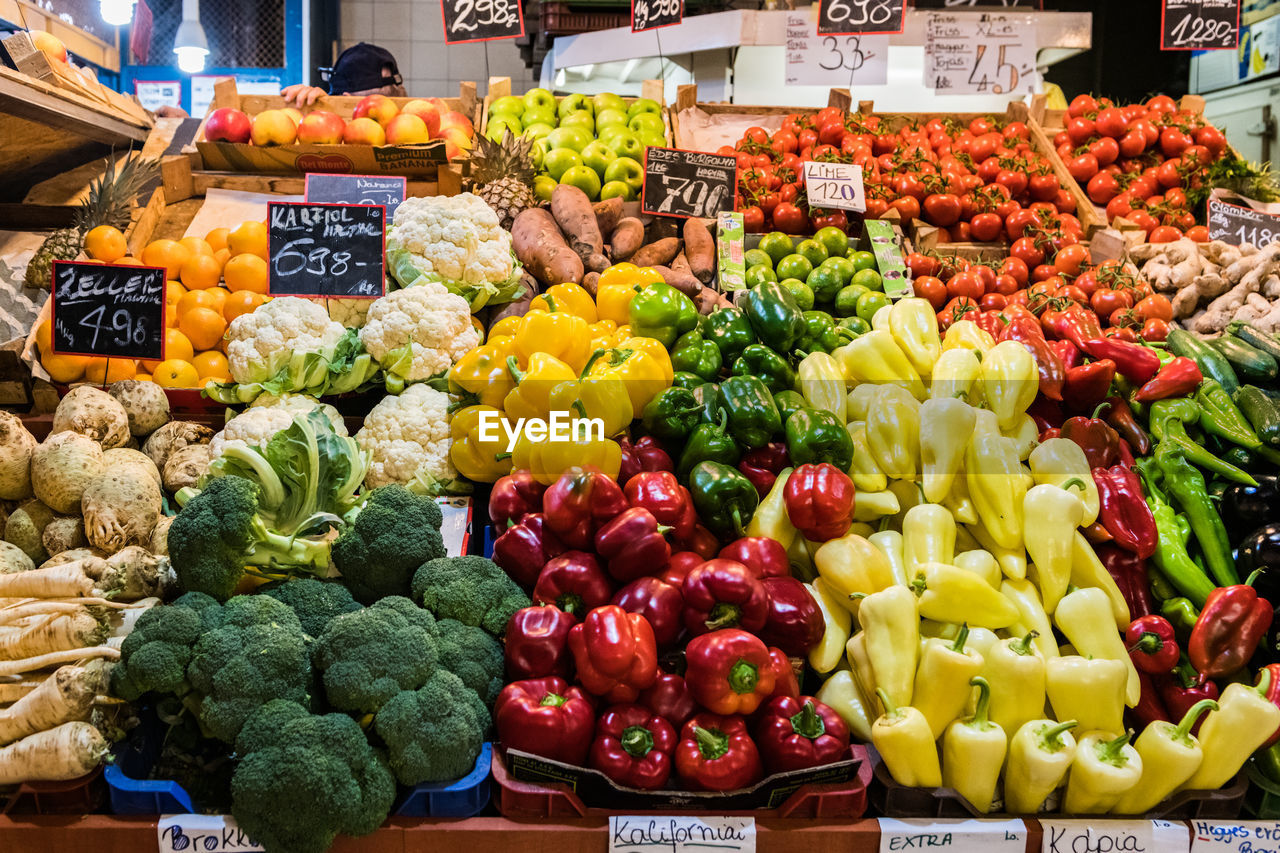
413	31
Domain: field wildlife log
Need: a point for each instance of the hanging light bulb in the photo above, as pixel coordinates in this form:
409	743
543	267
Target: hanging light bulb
117	13
189	42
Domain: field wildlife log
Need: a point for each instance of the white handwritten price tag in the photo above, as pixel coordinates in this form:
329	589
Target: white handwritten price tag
201	833
632	834
979	54
1235	836
1113	836
837	185
953	836
817	60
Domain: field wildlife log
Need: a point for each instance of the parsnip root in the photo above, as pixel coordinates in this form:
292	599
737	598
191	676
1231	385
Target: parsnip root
67	752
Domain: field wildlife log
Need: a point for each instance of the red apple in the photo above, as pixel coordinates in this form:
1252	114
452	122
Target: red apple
454	119
380	108
227	125
426	111
273	127
49	44
321	127
364	131
406	130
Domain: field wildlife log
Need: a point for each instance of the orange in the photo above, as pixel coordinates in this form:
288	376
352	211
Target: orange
128	261
105	243
175	373
142	377
241	302
217	238
212	364
169	254
249	237
197	246
104	371
64	368
203	327
170	316
246	272
44	337
176	346
201	271
222	256
219	295
195	299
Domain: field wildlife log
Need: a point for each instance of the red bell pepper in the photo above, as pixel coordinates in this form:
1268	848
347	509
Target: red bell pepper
574	582
1178	378
1027	331
679	566
723	594
729	671
1133	361
1152	646
1046	413
615	653
525	547
1129	571
632	543
644	454
1087	385
662	495
1123	510
1067	352
1051	432
761	465
1100	443
1150	707
799	733
633	747
513	497
547	717
1272	692
716	753
819	500
1231	624
670	698
1120	417
1183	689
1076	324
764	556
702	541
581	502
794	623
657	601
537	643
785	680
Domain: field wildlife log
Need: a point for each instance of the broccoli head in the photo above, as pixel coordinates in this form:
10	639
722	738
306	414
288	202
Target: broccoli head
368	656
471	589
435	733
472	655
303	778
395	532
155	654
316	602
254	653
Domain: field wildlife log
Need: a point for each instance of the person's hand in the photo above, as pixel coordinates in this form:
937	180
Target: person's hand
302	95
167	111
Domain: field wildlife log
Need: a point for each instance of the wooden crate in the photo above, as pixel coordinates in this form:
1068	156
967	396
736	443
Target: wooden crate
500	87
29	60
687	99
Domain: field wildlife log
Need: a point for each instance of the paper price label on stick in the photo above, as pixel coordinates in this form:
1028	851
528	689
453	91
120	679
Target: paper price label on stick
202	833
979	54
1200	25
1113	836
818	60
112	311
837	185
643	834
953	836
1235	836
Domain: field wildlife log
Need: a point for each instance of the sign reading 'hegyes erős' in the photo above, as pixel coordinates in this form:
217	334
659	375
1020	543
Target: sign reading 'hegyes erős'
482	20
333	250
113	311
688	183
1200	25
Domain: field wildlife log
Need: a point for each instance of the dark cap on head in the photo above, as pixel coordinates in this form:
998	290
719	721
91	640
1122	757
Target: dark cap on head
360	68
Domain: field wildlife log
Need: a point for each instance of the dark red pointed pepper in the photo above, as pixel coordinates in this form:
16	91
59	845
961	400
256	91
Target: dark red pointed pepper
581	502
547	717
730	671
723	594
1183	689
1121	418
1100	443
644	454
1129	571
1027	331
1273	694
1078	325
819	500
1231	624
1150	707
633	747
1152	645
1123	510
632	544
513	497
536	643
574	582
799	733
679	566
615	654
1067	352
525	547
761	465
1087	385
716	753
1051	432
702	542
1134	362
657	601
670	698
1178	378
662	495
794	623
764	556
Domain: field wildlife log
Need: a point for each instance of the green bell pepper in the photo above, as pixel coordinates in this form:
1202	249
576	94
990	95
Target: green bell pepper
752	415
729	330
772	369
672	414
1168	420
685	379
788	403
708	443
708	396
724	498
661	312
695	354
1187	486
816	435
774	315
855	326
821	334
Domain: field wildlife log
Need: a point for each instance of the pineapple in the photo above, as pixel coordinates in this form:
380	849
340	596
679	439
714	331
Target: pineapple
502	174
109	202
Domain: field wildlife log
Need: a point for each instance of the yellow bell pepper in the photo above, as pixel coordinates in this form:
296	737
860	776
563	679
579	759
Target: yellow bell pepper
1025	435
820	380
880	319
770	519
958	502
643	373
914	326
1040	754
556	333
866	474
942	680
1244	720
851	565
928	536
548	459
1010	381
876	357
955	376
860	665
566	298
946	424
629	272
893	432
613	301
1031	615
905	742
1089	690
652	348
951	594
603	333
994	477
860	400
1104	769
973	752
890	544
837	621
531	397
891	625
507	326
1084	617
596	397
1050	516
482	459
482	372
966	334
1058	461
841	694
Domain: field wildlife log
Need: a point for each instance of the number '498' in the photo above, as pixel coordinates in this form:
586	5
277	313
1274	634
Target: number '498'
128	331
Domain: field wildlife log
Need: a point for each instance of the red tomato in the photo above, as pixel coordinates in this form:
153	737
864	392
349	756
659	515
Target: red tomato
1026	250
1073	293
1199	234
1071	259
942	209
753	219
1106	301
961	232
1143	220
1086	283
931	288
993	302
1083	167
1065	202
1120	205
1111	123
1161	105
1102	188
1173	142
908	207
1079	129
1155	329
986	227
922	265
1122	333
1197	155
1082	104
1015	268
1017	130
758	135
789	218
1005	285
965	284
1155	307
1043	187
1106	149
1132	144
1016	223
820	219
956	309
784	142
1164	234
1212	138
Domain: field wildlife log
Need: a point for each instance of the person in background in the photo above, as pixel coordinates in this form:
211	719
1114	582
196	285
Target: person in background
362	69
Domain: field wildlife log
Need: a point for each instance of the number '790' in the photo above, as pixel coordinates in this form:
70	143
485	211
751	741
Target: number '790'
701	198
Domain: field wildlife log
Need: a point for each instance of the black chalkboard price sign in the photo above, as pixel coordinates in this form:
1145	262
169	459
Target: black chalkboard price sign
1237	224
482	20
859	17
108	310
1200	25
333	250
652	14
386	190
687	183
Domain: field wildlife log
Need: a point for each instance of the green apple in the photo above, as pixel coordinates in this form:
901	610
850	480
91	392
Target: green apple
573	103
569	137
585	179
643	105
580	118
610	118
536	153
608	101
557	161
507	105
543	187
647	123
626	144
598	156
626	170
539	130
617	189
540	115
500	124
653	140
539	99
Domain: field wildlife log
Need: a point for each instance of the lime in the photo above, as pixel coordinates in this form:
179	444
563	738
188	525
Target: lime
813	250
835	241
871	302
794	266
759	274
825	283
863	260
801	292
755	257
841	265
855	325
847	300
870	279
777	245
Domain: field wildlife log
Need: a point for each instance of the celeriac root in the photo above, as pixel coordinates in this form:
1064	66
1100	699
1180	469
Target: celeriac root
65	696
32	664
52	634
67	752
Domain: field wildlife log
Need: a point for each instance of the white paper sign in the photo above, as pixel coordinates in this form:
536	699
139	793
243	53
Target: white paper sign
1230	836
989	53
1113	836
202	90
954	836
814	60
154	94
201	833
837	185
642	834
455	528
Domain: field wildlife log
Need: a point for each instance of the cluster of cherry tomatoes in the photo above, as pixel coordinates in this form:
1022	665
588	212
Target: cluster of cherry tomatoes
1140	161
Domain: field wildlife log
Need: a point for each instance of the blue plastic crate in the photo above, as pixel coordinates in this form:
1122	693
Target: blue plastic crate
466	797
488	540
129	789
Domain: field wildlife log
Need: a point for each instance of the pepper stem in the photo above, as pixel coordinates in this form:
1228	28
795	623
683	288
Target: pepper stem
743	677
1097	411
1149	643
571	603
737	521
1264	682
958	645
1023	646
513	367
637	741
1111	752
712	744
1253	576
553	700
807	723
980	719
723	616
580	408
1183	730
890	709
1073	483
1051	738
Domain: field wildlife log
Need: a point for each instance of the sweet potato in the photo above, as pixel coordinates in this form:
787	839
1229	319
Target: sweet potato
518	308
710	299
680	263
542	249
700	249
681	281
627	238
658	253
608	212
572	210
591	283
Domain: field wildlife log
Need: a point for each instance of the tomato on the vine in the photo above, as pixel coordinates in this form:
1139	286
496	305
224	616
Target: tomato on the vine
1155	329
1071	260
1105	301
1026	250
753	219
1155	307
1015	268
965	284
931	288
789	218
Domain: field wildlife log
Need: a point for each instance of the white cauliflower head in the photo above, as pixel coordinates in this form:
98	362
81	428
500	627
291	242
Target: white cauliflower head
457	238
419	332
268	415
408	438
263	341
